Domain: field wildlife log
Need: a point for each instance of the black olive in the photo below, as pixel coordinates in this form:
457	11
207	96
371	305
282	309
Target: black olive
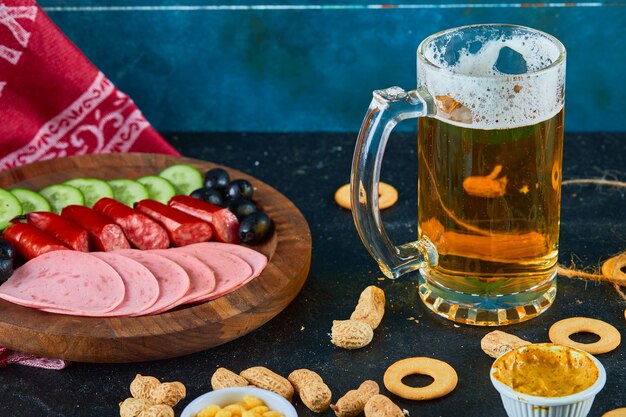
6	269
209	195
239	189
6	250
240	207
255	227
6	260
216	178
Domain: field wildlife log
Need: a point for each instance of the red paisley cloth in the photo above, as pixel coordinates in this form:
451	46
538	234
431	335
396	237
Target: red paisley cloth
54	102
7	357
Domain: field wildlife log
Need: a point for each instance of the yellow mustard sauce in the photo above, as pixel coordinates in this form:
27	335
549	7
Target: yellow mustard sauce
546	370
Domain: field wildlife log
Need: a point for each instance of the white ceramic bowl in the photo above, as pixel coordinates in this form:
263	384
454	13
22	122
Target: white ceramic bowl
223	397
517	404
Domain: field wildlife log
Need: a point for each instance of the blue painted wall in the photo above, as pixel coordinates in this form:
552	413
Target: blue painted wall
192	65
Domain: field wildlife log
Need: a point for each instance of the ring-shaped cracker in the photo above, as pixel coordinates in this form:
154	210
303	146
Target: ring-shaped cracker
618	412
387	196
612	267
561	331
444	375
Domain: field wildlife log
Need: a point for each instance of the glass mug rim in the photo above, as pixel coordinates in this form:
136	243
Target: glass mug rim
423	60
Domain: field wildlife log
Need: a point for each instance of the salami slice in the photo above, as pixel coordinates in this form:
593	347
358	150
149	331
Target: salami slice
223	222
75	282
201	276
230	270
140	230
182	228
172	278
104	235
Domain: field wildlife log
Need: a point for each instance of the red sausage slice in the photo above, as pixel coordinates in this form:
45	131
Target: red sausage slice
31	242
68	232
75	282
182	228
141	231
224	223
201	277
103	233
172	278
230	270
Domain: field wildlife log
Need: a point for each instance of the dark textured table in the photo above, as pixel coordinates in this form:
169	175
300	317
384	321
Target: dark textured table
308	168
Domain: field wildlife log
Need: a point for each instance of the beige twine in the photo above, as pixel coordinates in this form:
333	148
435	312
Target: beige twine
611	270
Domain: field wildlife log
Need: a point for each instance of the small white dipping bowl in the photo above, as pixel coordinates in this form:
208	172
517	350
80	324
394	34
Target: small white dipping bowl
517	404
226	396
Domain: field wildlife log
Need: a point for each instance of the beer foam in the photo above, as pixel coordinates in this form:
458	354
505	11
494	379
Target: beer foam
471	90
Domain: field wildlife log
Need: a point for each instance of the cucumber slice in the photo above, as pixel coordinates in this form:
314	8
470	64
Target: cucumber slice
128	191
159	188
10	207
184	177
30	200
61	195
92	188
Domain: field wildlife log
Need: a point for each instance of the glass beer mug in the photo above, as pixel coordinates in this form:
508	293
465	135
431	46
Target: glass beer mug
489	103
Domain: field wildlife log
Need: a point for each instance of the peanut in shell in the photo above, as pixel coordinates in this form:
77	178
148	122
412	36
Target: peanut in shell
143	385
371	307
132	407
353	402
313	392
381	406
168	393
261	377
351	334
497	343
224	378
158	410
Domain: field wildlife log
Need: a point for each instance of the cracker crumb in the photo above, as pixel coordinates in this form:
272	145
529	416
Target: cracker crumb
406	412
456	325
416	321
301	328
381	278
410	318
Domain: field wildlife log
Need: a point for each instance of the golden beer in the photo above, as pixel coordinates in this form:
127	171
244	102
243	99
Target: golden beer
489	202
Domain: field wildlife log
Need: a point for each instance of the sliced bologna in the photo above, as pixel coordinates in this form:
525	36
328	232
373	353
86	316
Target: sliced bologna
201	276
75	282
230	270
142	288
257	260
172	278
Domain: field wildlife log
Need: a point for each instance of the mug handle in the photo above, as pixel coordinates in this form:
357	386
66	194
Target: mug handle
388	107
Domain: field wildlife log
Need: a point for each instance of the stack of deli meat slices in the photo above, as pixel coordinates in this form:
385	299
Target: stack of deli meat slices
131	282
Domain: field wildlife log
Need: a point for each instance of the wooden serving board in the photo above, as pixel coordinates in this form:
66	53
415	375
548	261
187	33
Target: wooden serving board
174	333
